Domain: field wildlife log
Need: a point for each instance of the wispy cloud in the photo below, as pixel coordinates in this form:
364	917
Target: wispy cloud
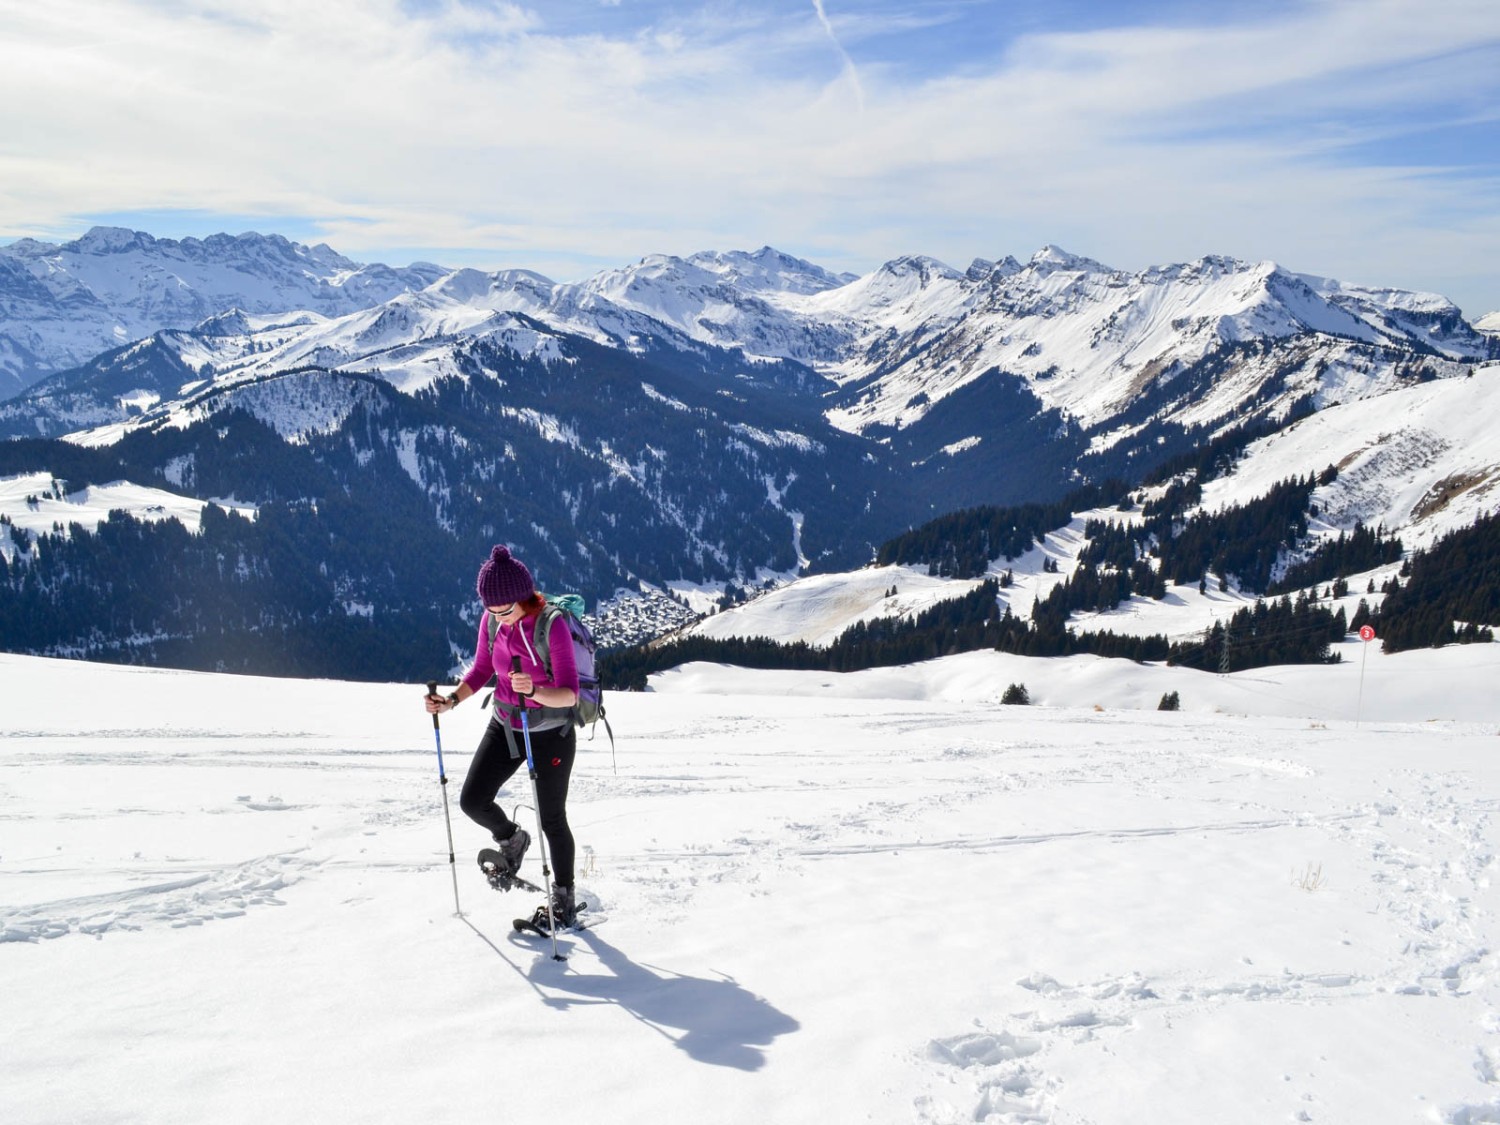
849	67
553	138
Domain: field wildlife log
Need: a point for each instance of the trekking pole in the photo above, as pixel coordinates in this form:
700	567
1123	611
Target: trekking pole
536	800
437	734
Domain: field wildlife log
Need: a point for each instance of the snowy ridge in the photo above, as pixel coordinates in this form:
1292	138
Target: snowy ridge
1089	340
62	304
731	299
410	341
295	405
1086	339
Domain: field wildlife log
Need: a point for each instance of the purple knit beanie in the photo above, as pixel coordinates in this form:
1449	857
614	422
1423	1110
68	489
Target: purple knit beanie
503	579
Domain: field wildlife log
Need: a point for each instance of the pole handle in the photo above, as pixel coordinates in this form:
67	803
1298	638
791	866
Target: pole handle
515	666
432	690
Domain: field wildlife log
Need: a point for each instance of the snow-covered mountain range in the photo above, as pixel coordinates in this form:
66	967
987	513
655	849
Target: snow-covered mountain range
1091	341
1088	341
722	419
953	374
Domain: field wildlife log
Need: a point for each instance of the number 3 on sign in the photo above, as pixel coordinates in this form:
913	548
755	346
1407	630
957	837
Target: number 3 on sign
1366	633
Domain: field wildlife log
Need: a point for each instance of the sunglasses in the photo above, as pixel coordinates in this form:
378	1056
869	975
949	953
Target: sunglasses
501	610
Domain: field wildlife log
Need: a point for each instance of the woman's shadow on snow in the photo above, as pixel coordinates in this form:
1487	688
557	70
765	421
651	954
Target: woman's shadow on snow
714	1021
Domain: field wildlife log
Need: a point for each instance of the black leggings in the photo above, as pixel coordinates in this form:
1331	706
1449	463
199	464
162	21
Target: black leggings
553	752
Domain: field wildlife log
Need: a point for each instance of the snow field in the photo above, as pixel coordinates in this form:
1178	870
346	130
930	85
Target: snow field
819	608
89	507
225	898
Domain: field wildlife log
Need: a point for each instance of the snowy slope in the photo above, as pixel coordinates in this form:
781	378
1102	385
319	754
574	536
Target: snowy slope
875	897
36	502
816	609
1421	461
294	406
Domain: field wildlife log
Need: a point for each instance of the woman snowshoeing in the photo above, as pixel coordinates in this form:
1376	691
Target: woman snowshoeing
512	608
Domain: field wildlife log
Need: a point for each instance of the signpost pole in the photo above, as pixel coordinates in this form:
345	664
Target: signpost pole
1366	634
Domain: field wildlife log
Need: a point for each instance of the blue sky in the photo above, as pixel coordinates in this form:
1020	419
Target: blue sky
1355	139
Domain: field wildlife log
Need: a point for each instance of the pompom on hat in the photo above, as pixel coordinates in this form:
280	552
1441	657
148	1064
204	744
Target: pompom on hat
503	579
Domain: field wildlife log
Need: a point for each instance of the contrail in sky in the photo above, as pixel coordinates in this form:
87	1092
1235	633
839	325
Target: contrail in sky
859	91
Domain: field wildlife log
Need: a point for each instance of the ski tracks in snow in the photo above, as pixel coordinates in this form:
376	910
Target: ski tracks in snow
1429	860
192	900
1000	1076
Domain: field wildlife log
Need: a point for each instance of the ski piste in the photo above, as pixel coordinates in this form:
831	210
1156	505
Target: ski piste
493	864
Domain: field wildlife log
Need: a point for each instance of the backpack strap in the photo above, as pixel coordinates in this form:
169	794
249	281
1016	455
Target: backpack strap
541	639
510	736
609	730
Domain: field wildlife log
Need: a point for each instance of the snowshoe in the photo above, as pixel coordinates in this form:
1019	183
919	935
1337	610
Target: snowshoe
565	912
500	874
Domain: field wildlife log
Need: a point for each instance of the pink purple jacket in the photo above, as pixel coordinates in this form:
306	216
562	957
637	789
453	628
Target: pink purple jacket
519	640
